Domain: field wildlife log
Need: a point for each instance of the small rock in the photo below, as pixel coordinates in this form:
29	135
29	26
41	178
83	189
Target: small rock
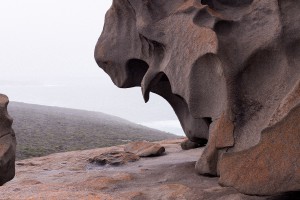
187	144
114	158
145	149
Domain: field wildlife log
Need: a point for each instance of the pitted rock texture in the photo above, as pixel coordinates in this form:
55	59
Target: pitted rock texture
144	148
229	69
7	143
114	158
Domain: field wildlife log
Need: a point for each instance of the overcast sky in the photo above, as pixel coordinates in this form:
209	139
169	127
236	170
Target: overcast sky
50	37
46	57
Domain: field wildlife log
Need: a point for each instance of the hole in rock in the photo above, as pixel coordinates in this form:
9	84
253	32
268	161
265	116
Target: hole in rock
235	3
208	2
208	120
164	78
223	27
201	141
135	69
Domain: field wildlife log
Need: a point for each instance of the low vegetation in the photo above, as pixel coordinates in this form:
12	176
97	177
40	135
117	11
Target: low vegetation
43	130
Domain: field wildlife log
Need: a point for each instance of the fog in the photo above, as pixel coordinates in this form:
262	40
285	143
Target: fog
46	58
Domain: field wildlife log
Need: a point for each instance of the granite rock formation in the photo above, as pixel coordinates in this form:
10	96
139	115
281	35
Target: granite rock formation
231	72
7	143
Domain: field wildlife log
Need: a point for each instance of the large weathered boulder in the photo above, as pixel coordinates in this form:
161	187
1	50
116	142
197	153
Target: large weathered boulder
231	72
144	148
7	143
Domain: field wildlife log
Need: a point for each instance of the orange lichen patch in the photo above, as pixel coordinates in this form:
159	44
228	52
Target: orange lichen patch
292	99
30	182
99	183
66	195
172	141
174	191
224	132
214	189
103	182
123	177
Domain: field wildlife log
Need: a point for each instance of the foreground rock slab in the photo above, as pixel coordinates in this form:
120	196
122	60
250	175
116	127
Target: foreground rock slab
69	176
145	149
7	143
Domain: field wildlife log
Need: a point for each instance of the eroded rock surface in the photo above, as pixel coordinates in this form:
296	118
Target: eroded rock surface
114	158
229	69
7	143
145	149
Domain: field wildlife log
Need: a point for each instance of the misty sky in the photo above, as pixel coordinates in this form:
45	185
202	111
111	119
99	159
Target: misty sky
46	57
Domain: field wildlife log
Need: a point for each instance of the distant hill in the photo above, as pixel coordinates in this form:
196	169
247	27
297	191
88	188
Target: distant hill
42	130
